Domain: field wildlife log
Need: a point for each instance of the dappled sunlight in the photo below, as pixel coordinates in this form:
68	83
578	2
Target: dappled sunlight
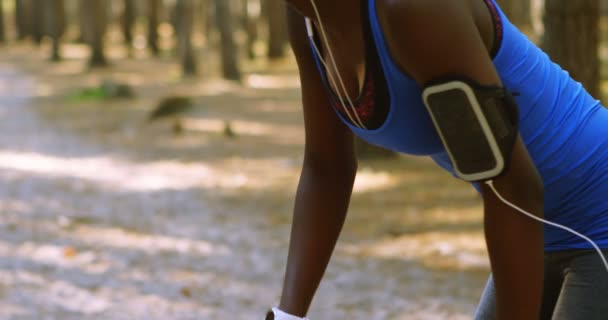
368	180
151	244
9	310
398	175
75	51
44	90
438	249
262	81
67	68
54	255
125	175
433	311
107	208
254	173
58	294
6	88
114	173
204	125
279	109
66	295
234	173
69	297
286	133
207	88
448	215
11	205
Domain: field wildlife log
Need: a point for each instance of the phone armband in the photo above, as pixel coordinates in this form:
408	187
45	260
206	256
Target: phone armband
477	124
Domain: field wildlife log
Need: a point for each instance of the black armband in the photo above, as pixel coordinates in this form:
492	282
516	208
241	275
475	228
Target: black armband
477	124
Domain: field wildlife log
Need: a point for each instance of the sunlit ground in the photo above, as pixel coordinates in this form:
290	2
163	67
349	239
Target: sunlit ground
104	215
108	216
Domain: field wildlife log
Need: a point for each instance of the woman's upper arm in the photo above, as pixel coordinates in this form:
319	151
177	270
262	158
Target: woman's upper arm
431	39
328	140
435	39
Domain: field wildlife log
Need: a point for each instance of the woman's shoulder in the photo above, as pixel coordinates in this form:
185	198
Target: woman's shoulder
402	9
424	20
425	16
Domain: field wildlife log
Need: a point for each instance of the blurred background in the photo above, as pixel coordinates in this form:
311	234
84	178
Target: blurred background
150	150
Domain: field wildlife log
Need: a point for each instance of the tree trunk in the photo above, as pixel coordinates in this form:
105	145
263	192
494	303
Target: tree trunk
37	20
230	67
202	8
519	12
184	12
55	25
571	39
277	28
252	20
22	19
154	7
2	29
210	22
82	23
95	20
128	21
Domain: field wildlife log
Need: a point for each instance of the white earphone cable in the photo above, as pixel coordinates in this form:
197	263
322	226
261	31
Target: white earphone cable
557	225
333	83
359	123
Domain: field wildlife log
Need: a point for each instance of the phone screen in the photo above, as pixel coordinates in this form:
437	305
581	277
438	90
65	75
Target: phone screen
461	130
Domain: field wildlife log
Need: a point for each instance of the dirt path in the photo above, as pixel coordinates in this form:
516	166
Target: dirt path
114	221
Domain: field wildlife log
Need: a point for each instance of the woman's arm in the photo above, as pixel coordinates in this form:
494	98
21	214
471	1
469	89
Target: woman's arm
514	241
431	39
325	186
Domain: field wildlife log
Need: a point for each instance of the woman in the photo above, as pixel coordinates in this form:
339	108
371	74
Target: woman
363	69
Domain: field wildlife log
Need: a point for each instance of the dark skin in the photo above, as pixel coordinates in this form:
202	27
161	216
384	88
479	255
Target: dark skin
462	34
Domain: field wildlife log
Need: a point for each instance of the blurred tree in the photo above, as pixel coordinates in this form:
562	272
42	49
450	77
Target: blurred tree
37	20
184	22
252	19
2	30
209	20
274	10
22	18
54	25
81	23
519	12
94	15
201	13
154	8
572	38
128	21
224	15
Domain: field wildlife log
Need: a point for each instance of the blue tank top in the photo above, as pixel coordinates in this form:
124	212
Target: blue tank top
564	129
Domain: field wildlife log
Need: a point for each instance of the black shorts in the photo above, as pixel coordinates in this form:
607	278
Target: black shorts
576	288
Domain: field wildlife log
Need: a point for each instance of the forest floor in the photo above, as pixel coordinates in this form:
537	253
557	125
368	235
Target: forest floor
104	215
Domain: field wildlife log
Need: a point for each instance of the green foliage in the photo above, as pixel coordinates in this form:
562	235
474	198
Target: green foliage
107	90
88	94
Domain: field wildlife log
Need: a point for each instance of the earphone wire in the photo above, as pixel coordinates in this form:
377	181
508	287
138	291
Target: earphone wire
332	81
557	225
359	123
